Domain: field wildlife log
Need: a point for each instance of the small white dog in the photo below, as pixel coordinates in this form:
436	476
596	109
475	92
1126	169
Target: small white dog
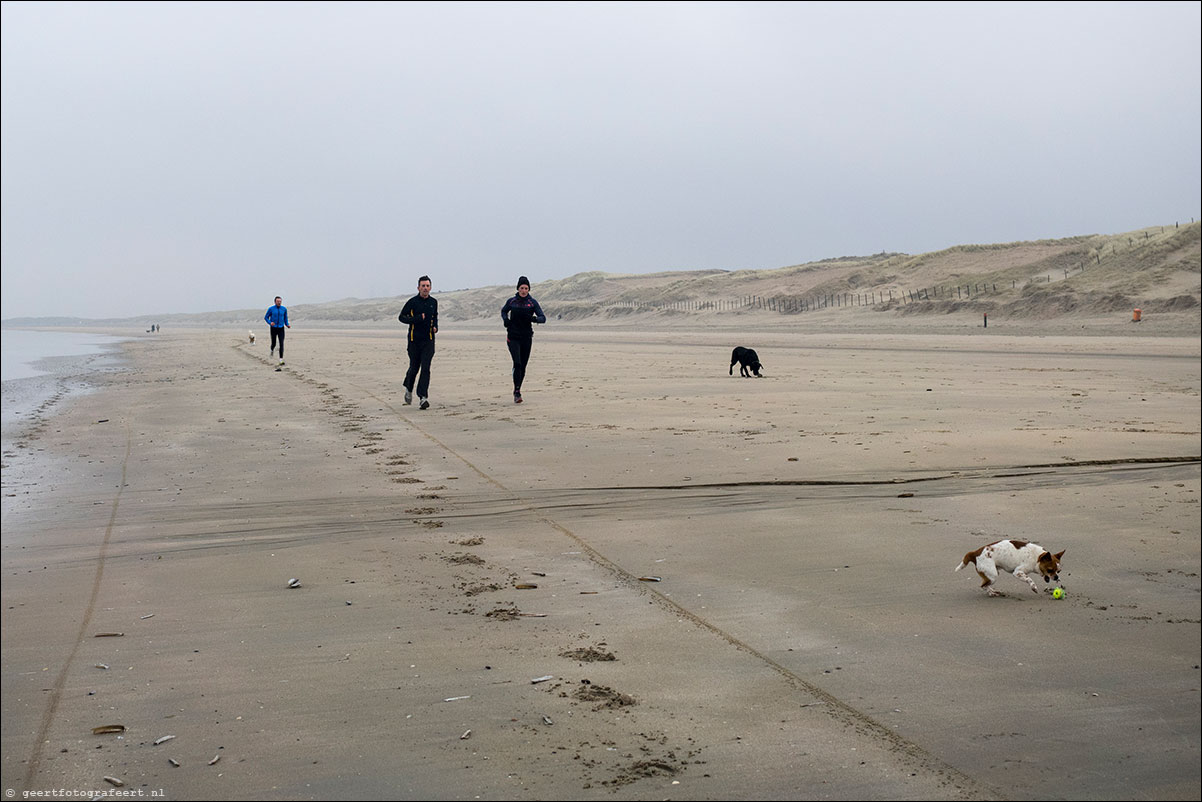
252	338
1016	557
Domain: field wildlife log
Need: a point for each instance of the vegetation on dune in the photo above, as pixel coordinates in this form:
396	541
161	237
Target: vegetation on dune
1156	269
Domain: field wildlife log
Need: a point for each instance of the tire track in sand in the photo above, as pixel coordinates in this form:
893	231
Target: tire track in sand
56	690
845	713
861	722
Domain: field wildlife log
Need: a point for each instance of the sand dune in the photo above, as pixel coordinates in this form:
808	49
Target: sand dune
1097	277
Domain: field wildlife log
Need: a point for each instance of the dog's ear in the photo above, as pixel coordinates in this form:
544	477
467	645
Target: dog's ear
1061	554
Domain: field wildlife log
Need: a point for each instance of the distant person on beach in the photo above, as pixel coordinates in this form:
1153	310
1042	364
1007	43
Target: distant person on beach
519	314
421	314
277	319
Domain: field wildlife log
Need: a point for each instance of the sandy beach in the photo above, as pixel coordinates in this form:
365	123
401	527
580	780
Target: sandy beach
652	580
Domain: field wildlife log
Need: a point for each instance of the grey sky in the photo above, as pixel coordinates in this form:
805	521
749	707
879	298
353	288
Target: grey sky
189	157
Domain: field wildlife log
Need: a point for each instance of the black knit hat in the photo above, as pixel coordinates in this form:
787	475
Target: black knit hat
523	280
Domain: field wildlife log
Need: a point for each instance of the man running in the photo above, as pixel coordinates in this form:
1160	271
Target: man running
421	314
277	319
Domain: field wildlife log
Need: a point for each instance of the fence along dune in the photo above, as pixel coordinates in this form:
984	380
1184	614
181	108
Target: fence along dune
1155	268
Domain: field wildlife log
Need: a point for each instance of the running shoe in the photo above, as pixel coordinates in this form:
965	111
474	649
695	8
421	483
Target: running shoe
425	404
408	396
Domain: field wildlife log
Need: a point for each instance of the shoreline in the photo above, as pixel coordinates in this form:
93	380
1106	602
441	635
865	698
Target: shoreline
31	404
806	636
56	375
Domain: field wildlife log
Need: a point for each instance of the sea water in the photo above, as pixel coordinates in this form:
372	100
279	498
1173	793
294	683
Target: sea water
35	365
23	350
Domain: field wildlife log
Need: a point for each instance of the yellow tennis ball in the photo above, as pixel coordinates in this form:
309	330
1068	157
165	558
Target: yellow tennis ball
1058	593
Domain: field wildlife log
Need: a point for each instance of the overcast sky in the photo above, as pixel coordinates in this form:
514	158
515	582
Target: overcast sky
191	157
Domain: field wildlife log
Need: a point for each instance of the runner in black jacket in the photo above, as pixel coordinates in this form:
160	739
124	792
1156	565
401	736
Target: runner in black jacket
421	313
519	314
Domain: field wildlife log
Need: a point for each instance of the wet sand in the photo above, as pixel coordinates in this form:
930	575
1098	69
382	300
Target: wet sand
768	561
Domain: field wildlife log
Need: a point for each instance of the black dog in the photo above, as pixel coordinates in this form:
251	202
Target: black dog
747	359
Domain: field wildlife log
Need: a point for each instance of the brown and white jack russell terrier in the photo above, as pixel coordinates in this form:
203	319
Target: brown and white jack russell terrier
1016	557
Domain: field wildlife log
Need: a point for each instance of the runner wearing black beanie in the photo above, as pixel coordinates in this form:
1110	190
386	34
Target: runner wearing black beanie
519	314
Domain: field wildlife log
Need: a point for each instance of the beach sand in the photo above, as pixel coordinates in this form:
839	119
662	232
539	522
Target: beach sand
769	562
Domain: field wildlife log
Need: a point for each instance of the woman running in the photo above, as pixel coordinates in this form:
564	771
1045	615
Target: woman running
519	314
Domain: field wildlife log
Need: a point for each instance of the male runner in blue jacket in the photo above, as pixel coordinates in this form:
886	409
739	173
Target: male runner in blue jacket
277	319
